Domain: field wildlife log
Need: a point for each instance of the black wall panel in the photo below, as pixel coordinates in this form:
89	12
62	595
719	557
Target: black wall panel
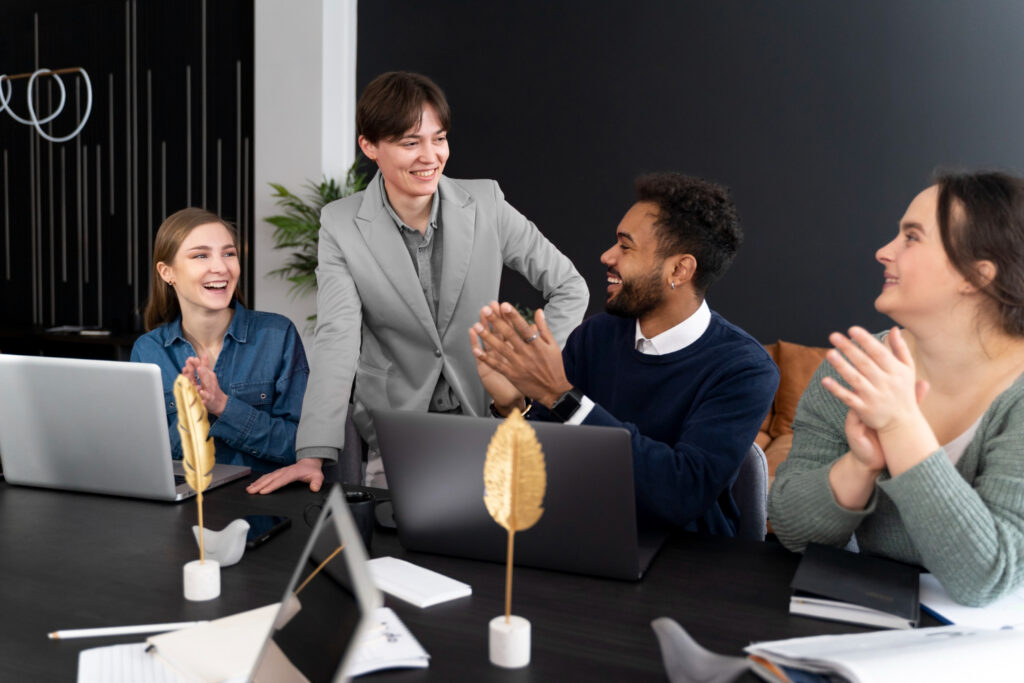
171	126
824	118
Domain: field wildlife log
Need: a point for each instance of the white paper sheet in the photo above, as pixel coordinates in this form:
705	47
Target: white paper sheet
123	664
1008	611
388	644
943	654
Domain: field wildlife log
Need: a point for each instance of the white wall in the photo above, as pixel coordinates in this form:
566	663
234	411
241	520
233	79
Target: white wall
304	101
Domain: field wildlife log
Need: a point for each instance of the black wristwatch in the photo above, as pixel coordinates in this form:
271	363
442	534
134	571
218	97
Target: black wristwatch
567	404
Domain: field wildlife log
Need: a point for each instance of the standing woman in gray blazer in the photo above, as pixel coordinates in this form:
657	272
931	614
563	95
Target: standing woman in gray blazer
404	269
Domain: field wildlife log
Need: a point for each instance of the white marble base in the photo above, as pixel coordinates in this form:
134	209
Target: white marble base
202	580
509	643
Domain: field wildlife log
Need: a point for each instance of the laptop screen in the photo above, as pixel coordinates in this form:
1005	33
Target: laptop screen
88	425
326	606
434	465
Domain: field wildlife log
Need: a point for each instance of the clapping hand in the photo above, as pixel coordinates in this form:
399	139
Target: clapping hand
200	372
863	442
526	355
884	426
884	391
502	391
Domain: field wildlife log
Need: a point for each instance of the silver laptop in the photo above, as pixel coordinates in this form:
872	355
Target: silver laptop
434	466
326	609
90	425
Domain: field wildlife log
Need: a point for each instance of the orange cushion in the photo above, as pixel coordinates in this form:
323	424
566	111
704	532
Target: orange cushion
797	364
776	453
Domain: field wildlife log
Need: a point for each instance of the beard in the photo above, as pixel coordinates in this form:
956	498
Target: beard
637	296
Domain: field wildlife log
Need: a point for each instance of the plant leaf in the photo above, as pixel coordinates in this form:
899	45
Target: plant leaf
298	227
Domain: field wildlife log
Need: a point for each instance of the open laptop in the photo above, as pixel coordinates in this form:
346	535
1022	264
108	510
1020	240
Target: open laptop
434	466
90	425
328	605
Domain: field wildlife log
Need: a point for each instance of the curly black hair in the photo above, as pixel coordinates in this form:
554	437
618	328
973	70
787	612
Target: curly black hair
696	217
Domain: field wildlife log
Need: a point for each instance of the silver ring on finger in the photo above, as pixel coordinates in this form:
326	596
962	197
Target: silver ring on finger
532	337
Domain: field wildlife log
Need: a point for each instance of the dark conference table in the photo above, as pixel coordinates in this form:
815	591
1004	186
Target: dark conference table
70	560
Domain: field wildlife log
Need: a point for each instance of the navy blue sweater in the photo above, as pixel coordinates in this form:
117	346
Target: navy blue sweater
692	414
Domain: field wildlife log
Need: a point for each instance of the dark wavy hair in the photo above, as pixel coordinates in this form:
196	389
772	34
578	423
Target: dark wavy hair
163	300
392	104
696	217
981	218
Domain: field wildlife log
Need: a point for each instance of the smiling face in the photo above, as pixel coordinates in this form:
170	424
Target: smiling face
918	278
205	269
412	164
637	277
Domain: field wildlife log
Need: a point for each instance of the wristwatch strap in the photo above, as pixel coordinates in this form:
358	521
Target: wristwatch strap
567	404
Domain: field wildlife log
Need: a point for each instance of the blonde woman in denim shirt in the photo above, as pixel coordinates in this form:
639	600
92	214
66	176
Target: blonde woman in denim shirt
249	366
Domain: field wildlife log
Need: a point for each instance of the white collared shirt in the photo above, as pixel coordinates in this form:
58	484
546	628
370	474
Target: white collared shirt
673	339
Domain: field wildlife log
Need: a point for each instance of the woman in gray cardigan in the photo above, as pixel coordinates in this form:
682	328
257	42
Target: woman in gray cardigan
914	438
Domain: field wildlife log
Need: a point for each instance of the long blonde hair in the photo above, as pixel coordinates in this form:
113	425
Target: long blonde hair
163	305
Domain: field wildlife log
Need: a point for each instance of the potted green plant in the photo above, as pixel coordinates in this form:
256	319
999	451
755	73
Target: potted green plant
298	227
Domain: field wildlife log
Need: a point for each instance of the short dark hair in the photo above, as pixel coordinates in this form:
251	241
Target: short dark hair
694	217
981	218
392	104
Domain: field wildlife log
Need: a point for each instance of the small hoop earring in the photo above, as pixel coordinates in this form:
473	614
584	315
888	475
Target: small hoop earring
170	283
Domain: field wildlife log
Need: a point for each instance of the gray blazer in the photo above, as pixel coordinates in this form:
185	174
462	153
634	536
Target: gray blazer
374	326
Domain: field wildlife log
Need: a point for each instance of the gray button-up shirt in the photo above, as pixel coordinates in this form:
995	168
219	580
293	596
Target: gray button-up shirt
426	251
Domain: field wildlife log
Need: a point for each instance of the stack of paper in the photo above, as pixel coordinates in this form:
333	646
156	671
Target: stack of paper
938	654
414	584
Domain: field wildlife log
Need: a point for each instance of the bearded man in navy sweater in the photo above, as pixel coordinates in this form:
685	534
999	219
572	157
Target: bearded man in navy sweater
691	387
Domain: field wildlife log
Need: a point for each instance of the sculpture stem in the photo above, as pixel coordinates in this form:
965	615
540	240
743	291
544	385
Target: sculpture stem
508	579
199	502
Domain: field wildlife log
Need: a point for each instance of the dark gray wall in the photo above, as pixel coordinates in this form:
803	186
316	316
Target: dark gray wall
824	118
77	219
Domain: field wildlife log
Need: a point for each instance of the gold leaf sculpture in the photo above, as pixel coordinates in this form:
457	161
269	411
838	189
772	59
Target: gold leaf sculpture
514	483
198	455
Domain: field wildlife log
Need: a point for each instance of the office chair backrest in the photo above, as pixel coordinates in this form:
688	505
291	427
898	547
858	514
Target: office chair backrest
750	491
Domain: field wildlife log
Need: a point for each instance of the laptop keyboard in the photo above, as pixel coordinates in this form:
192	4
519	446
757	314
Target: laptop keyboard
179	479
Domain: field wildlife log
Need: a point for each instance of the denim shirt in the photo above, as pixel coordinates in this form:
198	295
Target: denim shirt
262	369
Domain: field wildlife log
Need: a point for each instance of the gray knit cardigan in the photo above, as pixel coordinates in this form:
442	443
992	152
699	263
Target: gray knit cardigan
964	523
